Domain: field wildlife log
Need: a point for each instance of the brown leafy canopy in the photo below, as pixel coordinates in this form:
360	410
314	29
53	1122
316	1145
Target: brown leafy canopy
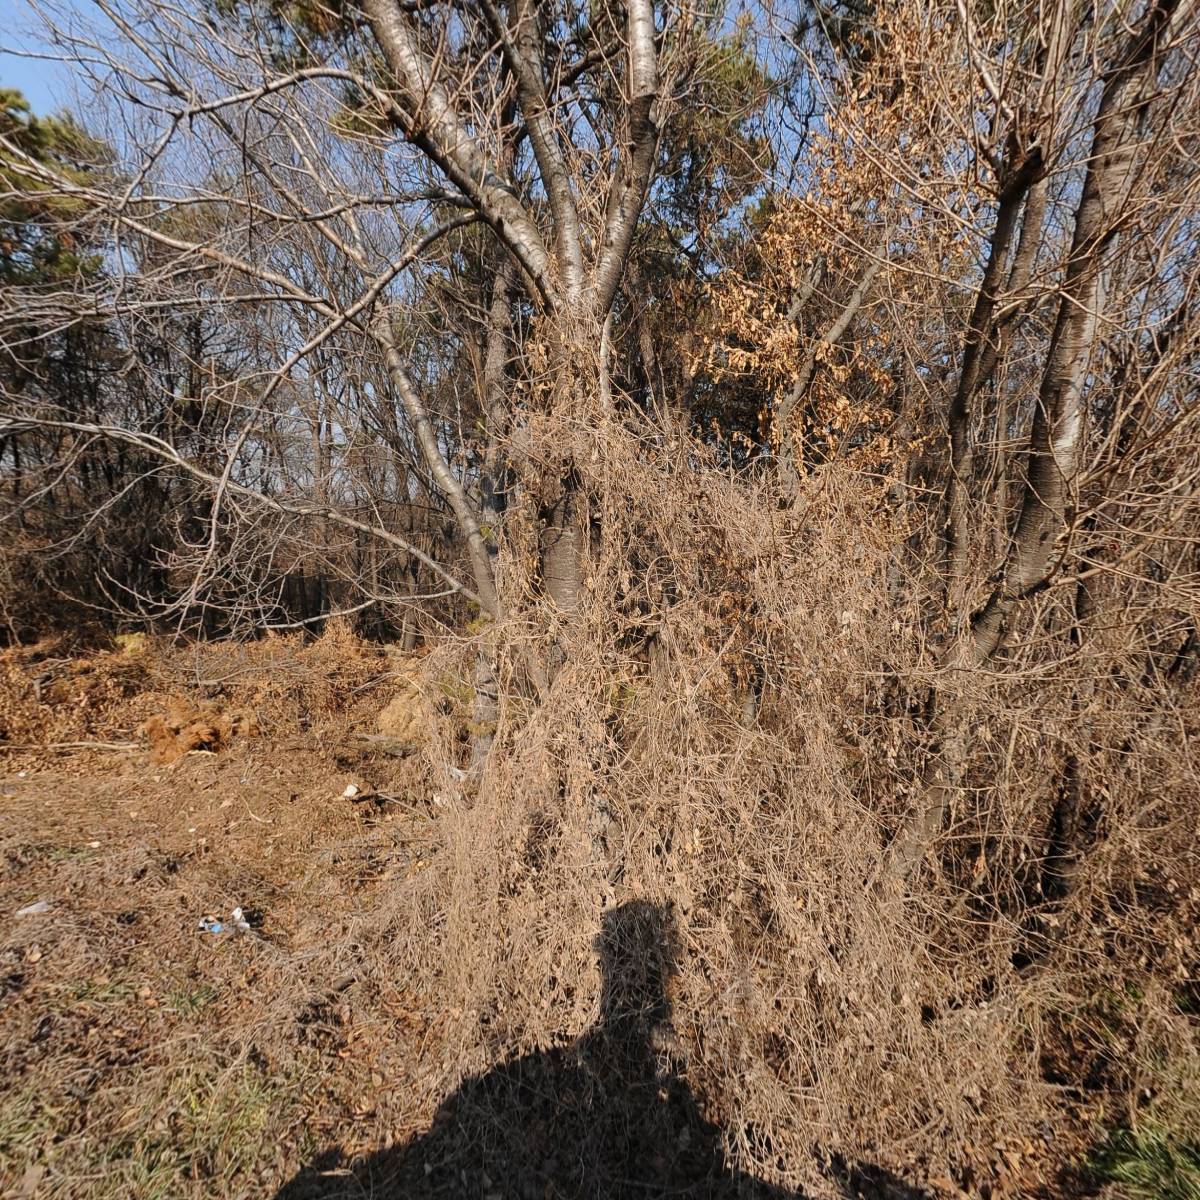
782	442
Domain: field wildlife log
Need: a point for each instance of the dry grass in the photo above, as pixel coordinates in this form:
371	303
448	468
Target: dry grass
145	1058
961	1033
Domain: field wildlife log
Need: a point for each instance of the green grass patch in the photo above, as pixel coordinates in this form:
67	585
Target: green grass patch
1150	1164
26	1124
187	1003
100	992
201	1131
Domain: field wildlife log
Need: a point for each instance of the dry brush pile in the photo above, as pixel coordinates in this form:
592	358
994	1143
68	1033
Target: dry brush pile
742	753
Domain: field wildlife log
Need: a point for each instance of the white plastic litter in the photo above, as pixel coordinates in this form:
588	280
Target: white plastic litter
237	923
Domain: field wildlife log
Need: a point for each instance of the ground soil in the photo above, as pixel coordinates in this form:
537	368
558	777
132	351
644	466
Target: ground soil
145	1057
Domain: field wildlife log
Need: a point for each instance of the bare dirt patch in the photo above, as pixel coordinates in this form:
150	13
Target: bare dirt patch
144	1056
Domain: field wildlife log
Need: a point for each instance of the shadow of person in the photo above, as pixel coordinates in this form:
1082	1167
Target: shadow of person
607	1117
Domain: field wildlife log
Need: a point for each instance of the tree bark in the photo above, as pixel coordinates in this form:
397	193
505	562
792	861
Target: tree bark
434	125
468	521
979	359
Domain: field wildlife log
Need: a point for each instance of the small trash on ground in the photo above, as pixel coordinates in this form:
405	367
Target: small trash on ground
352	790
237	923
35	909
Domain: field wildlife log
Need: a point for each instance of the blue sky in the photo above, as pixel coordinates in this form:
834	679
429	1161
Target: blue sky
46	84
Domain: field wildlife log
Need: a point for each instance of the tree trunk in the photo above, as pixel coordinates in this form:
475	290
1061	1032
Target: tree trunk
1058	418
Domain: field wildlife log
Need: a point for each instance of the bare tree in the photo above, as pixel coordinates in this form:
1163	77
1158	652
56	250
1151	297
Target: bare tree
1131	117
256	187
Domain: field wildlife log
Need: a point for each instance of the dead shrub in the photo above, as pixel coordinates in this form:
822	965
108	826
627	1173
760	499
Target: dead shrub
186	726
51	692
742	751
407	716
805	986
738	744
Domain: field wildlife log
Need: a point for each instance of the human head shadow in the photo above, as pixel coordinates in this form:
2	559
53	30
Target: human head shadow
607	1116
